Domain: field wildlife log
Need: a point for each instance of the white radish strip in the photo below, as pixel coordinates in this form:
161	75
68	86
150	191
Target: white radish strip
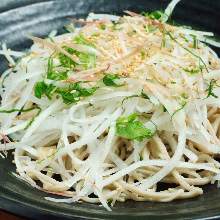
16	128
69	200
131	168
10	146
168	11
102	199
104	114
215	74
23	99
192	157
210	41
52	34
7	54
13	53
5	74
43	115
117	161
93	16
109	142
30	150
195	32
111	96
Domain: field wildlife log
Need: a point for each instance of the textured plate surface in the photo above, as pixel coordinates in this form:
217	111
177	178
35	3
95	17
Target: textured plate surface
18	18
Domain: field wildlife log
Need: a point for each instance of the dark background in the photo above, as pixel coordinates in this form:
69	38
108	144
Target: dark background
18	18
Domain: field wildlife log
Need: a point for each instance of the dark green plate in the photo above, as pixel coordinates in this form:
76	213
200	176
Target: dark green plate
21	17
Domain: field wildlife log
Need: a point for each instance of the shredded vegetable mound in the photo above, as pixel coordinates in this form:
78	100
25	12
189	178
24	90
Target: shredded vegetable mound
118	108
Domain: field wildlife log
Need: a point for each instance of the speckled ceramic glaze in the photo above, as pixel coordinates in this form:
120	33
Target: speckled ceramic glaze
18	18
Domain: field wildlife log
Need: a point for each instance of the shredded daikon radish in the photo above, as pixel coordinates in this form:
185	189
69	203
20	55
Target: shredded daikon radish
93	16
7	54
168	11
111	110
